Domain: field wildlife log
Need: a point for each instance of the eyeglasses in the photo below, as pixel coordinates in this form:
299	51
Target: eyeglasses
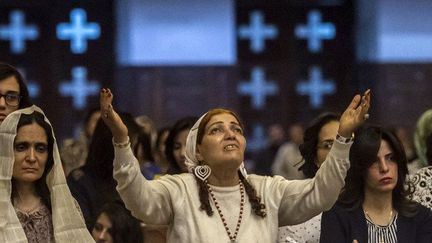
11	98
326	144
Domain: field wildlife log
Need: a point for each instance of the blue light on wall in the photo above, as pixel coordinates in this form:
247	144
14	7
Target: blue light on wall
316	87
78	31
79	88
258	88
315	31
257	32
17	32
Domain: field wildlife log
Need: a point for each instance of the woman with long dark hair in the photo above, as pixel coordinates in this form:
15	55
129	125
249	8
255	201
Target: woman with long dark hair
374	205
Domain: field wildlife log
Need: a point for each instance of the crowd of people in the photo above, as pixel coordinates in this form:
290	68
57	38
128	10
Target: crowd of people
339	179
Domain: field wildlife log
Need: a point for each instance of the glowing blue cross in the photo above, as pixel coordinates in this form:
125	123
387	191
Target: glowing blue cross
315	31
316	87
258	88
257	32
17	32
79	88
78	31
33	87
258	139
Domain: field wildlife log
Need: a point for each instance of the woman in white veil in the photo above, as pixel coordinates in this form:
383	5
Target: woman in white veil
35	202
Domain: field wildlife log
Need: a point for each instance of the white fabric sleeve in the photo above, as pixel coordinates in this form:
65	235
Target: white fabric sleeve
148	201
300	200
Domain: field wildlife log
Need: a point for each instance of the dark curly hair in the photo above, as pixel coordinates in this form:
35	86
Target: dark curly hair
310	142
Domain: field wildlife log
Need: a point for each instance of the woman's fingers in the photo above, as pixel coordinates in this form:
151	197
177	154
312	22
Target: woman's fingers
354	102
106	98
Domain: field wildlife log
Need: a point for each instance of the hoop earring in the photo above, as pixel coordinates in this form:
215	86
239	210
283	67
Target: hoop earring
202	172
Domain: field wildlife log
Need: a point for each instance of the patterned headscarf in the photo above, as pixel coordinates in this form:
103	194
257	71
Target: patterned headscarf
191	142
67	219
423	130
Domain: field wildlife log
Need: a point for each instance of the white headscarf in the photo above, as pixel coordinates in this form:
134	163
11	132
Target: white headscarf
67	219
191	142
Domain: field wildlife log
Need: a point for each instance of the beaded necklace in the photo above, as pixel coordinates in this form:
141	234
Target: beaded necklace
232	237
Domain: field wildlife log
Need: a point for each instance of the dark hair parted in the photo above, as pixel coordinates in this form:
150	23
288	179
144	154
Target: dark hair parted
254	199
40	185
308	149
7	71
363	154
125	228
183	124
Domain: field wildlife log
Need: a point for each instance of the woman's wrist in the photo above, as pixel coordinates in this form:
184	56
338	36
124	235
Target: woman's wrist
120	142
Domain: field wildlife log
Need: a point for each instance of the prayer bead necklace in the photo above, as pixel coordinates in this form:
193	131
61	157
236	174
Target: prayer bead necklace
232	237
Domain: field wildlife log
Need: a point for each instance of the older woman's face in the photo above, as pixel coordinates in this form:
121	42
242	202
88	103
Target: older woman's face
31	153
223	143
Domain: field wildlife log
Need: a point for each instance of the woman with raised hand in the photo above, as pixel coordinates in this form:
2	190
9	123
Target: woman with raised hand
218	201
375	205
35	202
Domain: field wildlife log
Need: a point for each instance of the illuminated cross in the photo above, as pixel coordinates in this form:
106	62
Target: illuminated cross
79	87
315	31
17	32
257	32
258	139
78	31
33	87
258	88
316	87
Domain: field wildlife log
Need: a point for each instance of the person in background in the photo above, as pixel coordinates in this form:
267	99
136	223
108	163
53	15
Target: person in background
422	179
175	145
92	185
422	132
14	94
143	152
36	204
405	136
375	204
74	151
250	207
288	158
318	139
159	155
115	224
264	158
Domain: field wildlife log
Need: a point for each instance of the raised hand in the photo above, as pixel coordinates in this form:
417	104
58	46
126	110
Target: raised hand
355	114
111	118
